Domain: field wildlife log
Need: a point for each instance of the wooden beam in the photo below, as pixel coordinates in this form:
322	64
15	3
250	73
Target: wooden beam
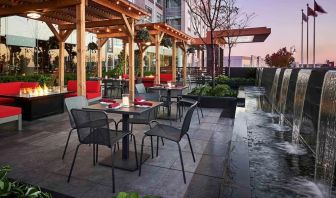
81	71
40	7
118	8
128	26
174	60
131	68
125	58
94	24
65	34
184	64
112	35
54	31
61	64
157	57
100	43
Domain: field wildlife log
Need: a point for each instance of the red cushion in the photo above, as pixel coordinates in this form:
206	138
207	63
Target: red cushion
90	96
10	88
125	76
29	84
92	86
7	101
164	78
72	85
7	111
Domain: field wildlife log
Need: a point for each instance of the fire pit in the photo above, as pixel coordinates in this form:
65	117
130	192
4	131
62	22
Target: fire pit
39	102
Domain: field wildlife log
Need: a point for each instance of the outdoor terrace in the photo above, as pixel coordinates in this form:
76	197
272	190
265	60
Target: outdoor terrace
35	157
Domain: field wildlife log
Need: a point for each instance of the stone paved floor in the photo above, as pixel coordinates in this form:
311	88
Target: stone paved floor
35	156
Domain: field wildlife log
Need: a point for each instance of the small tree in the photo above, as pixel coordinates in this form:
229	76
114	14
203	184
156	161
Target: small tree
236	22
282	58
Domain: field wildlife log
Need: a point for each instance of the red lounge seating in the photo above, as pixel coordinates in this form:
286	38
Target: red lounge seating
93	91
149	81
8	114
125	76
14	89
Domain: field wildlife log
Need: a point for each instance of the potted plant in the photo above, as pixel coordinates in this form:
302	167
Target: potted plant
166	42
143	36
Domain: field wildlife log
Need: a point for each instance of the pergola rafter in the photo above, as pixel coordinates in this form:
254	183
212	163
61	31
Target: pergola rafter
82	15
156	31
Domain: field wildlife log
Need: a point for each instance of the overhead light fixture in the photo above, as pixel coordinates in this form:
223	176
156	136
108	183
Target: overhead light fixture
148	43
117	2
33	15
119	29
129	8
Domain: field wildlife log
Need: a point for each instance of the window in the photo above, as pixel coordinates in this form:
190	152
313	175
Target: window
149	10
158	17
173	3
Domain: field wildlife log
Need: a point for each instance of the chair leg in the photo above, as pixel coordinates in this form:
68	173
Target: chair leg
184	178
162	141
136	152
131	132
192	151
141	153
66	145
151	137
73	162
199	121
96	153
201	111
157	146
112	167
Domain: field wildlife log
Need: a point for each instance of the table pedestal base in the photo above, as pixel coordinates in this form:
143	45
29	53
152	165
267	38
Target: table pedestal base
129	164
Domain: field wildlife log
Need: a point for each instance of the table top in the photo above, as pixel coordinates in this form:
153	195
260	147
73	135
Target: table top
168	88
27	96
132	110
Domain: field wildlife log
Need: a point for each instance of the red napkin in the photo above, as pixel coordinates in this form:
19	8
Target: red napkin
144	103
139	99
113	105
108	100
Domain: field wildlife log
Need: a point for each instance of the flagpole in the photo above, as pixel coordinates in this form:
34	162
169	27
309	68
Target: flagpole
302	38
307	37
314	40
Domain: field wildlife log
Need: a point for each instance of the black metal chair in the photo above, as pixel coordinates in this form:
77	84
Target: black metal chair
171	133
77	102
93	128
141	91
183	100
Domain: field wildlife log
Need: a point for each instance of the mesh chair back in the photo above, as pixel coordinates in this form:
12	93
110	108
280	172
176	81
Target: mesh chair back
148	116
140	88
77	102
92	126
116	83
187	119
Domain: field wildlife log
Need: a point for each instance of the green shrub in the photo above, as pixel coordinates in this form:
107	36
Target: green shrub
42	79
148	73
10	188
133	195
234	82
219	90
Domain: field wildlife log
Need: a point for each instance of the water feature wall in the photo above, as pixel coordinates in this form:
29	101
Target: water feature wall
326	135
311	108
284	90
274	90
267	80
299	100
290	96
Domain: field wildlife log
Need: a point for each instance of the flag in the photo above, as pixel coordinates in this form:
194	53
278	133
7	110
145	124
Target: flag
304	17
318	8
311	12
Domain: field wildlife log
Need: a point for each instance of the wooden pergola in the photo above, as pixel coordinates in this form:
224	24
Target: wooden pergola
157	31
80	15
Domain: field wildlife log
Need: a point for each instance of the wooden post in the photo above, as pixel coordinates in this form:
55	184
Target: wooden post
99	66
141	63
157	55
174	60
126	52
131	68
61	64
184	65
81	70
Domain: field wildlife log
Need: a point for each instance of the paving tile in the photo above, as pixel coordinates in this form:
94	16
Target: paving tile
204	186
211	166
188	162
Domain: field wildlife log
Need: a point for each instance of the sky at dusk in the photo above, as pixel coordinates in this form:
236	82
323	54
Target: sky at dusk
284	18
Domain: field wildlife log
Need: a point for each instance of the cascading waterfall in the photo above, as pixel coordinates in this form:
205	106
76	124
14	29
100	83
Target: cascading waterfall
326	135
260	73
283	95
299	98
275	89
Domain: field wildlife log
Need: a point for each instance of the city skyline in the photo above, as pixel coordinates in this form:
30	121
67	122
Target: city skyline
286	28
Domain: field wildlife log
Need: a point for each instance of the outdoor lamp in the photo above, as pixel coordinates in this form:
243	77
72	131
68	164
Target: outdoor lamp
33	15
